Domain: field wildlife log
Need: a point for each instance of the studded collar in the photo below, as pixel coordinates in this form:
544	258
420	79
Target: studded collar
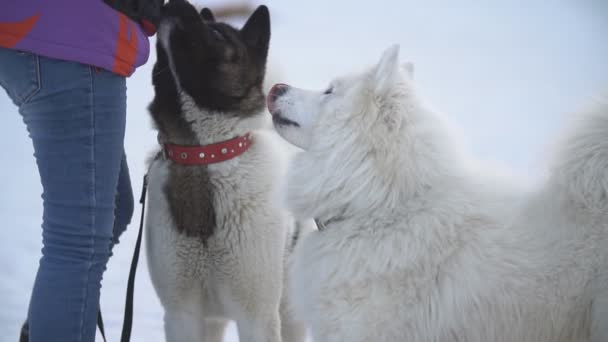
208	154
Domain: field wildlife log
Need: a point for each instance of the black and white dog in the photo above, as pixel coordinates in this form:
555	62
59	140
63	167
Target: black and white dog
217	236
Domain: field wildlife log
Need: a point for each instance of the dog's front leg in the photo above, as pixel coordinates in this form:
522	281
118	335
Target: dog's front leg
256	298
183	325
213	330
259	328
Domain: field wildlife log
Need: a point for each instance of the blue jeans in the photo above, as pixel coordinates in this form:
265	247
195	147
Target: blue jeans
75	116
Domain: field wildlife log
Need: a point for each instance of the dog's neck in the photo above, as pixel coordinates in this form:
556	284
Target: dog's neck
208	154
360	181
210	127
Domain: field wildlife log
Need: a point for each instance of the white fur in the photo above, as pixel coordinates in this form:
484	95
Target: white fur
421	246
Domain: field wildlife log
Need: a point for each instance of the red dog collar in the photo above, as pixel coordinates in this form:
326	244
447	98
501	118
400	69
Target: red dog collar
208	154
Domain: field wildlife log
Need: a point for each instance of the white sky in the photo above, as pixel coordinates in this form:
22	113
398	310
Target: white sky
508	72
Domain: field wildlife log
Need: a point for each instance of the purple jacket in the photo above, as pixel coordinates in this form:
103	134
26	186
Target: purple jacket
85	31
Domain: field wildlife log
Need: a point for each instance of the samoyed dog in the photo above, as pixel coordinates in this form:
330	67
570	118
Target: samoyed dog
416	245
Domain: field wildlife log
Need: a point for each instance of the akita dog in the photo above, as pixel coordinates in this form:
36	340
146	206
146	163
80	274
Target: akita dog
217	237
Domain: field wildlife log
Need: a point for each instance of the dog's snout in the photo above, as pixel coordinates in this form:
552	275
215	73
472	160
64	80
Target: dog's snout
278	90
275	92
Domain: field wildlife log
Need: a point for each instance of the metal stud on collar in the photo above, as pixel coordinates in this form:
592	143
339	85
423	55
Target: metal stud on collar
201	155
184	155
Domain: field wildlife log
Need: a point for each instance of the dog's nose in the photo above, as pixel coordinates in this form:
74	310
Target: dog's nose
275	92
278	90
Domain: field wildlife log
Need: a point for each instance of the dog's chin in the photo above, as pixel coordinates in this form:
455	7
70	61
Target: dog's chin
292	134
277	119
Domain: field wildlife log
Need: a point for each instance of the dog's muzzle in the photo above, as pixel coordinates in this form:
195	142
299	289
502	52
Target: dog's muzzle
275	92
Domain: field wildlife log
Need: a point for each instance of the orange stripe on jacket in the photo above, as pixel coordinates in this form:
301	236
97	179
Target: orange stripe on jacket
126	47
12	33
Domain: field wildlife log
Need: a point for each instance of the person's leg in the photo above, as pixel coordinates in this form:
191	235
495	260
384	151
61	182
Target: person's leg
76	120
123	213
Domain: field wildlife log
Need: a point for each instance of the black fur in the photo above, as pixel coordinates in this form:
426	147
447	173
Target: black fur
165	107
190	198
207	15
222	69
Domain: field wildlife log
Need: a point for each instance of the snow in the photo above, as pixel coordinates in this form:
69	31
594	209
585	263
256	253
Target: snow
508	72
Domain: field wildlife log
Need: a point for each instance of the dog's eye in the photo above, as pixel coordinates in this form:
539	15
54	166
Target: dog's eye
328	91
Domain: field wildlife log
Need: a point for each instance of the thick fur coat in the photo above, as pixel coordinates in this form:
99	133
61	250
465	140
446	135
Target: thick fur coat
217	236
419	245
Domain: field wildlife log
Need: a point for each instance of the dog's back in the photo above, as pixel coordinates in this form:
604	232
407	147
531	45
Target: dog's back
580	179
563	231
582	165
557	286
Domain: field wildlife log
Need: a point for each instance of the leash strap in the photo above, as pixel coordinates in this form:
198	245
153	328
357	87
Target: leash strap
100	325
128	318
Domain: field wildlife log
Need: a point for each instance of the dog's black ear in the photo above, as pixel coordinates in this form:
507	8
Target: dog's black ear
256	31
207	15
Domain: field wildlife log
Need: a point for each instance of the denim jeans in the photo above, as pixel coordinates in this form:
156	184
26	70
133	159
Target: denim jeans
75	116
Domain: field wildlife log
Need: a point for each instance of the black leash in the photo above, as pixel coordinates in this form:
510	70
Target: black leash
100	325
128	319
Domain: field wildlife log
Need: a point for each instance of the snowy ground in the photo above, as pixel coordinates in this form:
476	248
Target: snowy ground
509	72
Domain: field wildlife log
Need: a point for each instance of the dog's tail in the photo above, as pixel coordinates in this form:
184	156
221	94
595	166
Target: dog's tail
582	163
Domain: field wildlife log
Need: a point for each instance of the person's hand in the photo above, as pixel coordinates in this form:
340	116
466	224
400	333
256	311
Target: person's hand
145	12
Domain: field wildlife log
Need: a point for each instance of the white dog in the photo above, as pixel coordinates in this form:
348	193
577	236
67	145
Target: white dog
417	245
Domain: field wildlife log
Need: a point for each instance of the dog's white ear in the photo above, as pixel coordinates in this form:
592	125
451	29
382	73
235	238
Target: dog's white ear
408	68
387	70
